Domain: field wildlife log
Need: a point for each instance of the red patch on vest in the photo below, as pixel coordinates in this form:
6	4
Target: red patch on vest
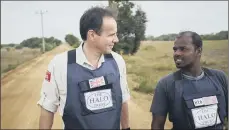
48	76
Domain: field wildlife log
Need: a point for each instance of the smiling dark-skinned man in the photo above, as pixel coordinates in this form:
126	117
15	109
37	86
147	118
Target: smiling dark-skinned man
195	97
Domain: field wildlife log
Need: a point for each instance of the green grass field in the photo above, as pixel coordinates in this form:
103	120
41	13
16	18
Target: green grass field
155	60
11	57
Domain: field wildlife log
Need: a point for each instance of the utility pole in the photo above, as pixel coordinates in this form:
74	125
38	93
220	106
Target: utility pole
42	28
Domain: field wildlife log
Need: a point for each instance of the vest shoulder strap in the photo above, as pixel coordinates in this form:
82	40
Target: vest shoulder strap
178	76
72	56
209	73
170	89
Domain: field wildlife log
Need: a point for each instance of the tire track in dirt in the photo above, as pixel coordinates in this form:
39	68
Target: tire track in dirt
20	91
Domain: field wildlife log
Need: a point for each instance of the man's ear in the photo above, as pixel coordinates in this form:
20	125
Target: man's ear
91	35
199	50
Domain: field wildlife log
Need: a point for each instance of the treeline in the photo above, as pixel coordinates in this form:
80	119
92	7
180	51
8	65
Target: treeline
222	35
35	42
50	43
131	21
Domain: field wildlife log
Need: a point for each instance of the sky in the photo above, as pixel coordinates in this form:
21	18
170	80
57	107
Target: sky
19	20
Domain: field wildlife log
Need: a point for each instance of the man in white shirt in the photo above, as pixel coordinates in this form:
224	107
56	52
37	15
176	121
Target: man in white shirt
88	84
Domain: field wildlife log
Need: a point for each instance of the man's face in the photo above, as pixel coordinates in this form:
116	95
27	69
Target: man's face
185	54
108	36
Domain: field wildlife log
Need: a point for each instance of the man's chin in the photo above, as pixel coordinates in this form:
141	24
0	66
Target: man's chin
108	51
182	66
179	66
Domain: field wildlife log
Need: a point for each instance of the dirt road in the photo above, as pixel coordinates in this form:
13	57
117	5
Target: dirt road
20	91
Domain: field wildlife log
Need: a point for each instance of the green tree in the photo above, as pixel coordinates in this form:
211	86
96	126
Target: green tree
223	35
57	42
131	26
33	42
72	40
139	30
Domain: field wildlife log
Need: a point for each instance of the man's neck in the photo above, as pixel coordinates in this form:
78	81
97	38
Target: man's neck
91	54
193	71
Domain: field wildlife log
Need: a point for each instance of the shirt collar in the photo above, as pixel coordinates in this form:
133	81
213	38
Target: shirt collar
194	78
81	58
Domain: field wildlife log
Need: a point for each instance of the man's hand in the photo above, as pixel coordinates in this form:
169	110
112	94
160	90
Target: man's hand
46	119
125	116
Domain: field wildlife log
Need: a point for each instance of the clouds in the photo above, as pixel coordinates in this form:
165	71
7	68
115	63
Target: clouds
19	21
174	16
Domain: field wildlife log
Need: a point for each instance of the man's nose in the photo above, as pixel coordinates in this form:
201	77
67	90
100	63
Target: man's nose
116	39
178	52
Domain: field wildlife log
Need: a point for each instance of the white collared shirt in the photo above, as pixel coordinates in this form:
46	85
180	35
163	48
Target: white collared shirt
54	88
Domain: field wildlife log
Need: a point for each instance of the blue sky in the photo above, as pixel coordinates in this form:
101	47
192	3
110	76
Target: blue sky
19	21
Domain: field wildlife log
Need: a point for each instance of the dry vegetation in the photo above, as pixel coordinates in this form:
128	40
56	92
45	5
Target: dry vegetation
155	60
11	57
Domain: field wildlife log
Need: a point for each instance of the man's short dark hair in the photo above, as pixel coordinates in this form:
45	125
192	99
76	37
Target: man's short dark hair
196	39
92	19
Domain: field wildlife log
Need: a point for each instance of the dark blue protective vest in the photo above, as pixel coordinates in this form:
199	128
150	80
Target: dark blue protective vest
181	100
77	114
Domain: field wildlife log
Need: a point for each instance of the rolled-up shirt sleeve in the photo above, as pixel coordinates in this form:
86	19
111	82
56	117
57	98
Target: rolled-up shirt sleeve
49	96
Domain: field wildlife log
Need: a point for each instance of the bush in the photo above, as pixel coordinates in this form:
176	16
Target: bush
10	67
19	47
151	48
8	49
145	87
11	45
48	47
36	42
208	63
163	67
72	40
75	45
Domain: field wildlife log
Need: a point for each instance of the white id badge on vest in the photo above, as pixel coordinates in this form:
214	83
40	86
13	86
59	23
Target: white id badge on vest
205	101
205	116
97	100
